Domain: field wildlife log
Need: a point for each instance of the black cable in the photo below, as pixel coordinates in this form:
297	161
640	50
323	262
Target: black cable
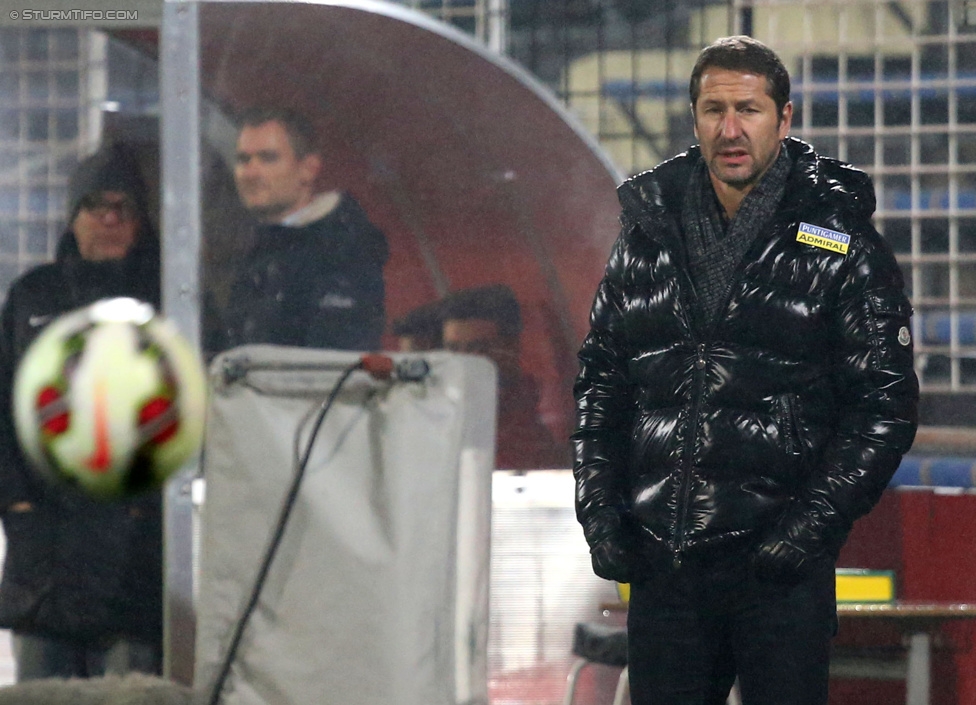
278	534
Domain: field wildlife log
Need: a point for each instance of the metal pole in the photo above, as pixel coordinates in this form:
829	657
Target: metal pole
180	152
498	26
918	679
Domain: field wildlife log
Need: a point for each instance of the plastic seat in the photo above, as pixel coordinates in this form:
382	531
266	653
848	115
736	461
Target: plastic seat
951	472
605	645
599	644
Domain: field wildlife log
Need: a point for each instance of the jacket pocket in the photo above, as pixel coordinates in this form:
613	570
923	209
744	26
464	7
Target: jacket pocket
890	329
890	304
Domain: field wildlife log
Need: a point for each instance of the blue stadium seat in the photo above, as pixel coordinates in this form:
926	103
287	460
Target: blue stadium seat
935	471
936	327
908	474
951	472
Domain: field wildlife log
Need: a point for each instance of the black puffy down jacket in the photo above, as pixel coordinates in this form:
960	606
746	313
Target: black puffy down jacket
773	428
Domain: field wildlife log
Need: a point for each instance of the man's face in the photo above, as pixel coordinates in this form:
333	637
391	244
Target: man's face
738	126
106	226
271	180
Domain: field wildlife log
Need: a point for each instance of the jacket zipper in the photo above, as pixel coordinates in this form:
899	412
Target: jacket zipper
701	363
694	322
790	425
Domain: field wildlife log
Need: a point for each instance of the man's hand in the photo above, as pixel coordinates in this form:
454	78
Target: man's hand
611	561
780	560
610	550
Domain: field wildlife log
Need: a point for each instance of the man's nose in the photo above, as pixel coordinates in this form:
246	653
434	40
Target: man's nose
731	127
247	169
112	215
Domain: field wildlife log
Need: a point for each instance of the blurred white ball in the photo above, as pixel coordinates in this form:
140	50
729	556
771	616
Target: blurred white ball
111	399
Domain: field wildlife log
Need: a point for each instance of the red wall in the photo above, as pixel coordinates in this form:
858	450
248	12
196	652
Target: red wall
929	540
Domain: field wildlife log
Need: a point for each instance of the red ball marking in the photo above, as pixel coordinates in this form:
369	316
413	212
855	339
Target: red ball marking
59	422
56	425
152	410
46	396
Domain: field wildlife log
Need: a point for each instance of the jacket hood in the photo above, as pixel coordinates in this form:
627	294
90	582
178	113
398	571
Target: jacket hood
114	167
844	187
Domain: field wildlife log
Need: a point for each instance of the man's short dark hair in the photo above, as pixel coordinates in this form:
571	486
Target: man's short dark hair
425	321
495	302
742	53
301	133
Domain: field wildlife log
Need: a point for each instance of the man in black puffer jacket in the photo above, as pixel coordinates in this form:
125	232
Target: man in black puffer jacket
82	579
746	393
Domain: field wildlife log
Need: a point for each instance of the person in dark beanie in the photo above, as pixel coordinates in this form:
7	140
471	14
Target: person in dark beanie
82	579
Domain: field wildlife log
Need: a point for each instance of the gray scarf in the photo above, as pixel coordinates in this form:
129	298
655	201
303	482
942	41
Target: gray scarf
715	247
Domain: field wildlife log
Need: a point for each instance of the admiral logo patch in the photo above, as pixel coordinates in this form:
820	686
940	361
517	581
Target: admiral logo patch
823	238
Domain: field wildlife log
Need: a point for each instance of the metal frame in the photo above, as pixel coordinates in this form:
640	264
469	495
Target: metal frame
181	237
925	203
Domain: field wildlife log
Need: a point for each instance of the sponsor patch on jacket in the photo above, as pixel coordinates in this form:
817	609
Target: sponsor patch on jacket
823	238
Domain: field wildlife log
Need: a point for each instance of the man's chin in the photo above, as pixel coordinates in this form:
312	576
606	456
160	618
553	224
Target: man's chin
736	178
740	183
108	255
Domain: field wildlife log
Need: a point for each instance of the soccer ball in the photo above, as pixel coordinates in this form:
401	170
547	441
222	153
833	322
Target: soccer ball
110	398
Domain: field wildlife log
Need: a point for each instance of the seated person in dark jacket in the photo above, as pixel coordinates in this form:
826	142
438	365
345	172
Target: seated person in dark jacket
746	391
314	276
487	321
82	579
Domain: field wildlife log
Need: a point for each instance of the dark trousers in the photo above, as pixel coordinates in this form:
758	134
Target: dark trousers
693	630
45	657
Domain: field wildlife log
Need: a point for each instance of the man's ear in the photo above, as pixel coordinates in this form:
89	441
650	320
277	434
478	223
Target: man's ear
786	120
694	122
309	167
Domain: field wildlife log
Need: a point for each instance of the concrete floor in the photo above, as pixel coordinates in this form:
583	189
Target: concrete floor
541	586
